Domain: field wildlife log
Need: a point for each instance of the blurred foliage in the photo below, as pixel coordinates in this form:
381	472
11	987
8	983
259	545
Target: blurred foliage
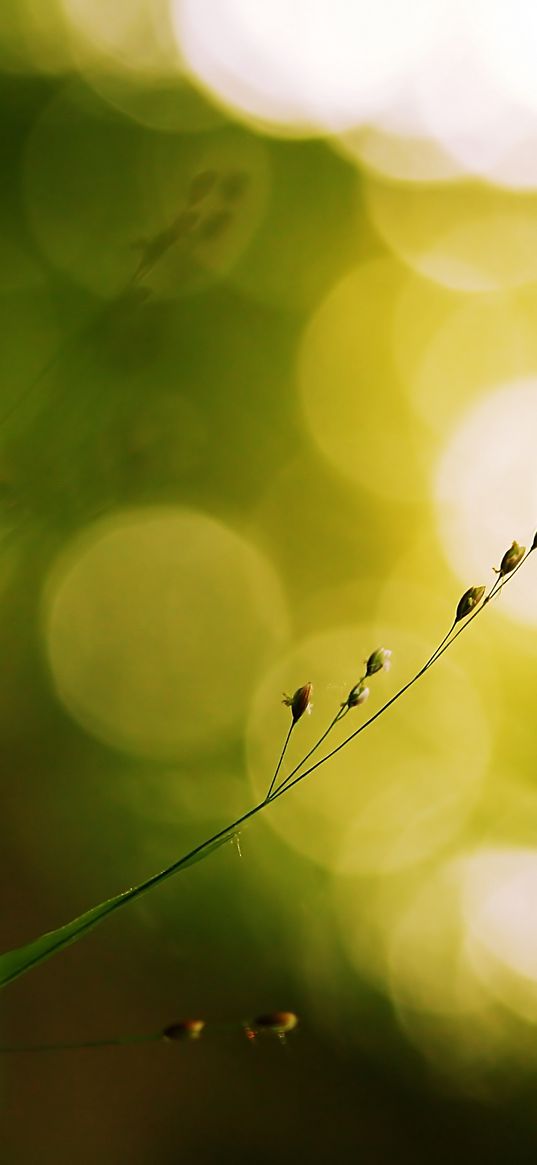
233	459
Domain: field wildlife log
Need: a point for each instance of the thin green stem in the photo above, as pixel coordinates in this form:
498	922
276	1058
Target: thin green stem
505	578
55	359
117	1041
345	708
17	962
446	642
65	935
341	712
432	658
159	1037
279	765
68	344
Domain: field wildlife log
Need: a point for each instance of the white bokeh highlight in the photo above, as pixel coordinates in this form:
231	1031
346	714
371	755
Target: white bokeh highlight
486	490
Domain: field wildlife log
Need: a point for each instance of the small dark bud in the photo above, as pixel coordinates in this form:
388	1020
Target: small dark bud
184	1029
300	702
534	543
278	1022
511	558
469	601
357	695
381	658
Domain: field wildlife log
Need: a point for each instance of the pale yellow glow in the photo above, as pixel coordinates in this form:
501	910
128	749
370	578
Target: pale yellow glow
366	911
468	933
399	142
127	53
466	1031
429	970
350	392
132	35
34	36
404	787
157	623
311	63
470	237
449	351
422	587
405	154
486	491
500	903
454	944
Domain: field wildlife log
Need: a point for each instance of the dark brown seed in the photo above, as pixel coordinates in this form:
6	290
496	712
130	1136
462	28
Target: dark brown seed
184	1029
299	702
278	1022
469	601
511	558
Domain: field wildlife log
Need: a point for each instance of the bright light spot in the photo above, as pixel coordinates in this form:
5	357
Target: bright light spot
449	353
467	236
452	117
398	142
500	902
313	63
127	53
158	623
454	945
486	491
397	793
466	111
429	971
407	155
442	1003
506	30
350	392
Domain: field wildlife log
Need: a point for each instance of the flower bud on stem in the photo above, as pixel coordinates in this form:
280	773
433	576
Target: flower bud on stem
15	963
511	558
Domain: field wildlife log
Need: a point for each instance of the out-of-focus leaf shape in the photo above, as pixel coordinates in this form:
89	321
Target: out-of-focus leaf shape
22	959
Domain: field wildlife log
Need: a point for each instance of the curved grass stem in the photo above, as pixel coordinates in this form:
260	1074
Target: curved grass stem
114	1042
17	962
446	642
337	718
279	765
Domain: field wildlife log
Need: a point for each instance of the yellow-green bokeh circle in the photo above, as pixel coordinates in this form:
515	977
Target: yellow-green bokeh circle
158	622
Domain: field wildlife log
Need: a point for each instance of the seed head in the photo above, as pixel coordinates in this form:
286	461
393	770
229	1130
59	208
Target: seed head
300	702
534	543
381	658
184	1029
357	695
470	599
511	558
278	1022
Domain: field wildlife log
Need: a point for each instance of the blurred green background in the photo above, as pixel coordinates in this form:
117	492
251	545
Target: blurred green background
268	401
